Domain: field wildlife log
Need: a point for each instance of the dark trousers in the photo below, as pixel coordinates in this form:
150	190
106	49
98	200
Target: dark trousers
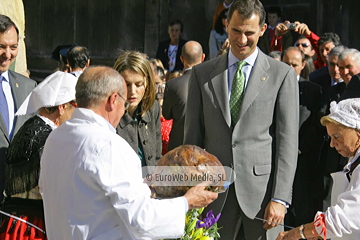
235	225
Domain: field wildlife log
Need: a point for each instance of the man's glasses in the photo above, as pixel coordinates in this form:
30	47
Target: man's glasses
302	44
127	104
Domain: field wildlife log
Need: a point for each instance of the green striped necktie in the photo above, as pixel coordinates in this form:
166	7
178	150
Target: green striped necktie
237	91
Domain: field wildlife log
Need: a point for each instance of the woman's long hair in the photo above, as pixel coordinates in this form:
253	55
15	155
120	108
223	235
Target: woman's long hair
135	61
219	27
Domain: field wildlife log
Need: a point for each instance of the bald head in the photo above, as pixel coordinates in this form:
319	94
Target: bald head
295	58
96	84
192	54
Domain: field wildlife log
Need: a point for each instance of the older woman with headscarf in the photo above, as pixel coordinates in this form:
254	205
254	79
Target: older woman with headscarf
53	99
342	219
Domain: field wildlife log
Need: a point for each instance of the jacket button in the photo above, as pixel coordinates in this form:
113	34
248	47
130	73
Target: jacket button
233	145
144	142
149	157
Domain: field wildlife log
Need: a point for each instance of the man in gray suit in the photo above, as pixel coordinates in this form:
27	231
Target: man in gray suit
13	90
261	141
176	91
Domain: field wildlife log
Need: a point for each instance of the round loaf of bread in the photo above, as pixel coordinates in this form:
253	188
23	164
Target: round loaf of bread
195	165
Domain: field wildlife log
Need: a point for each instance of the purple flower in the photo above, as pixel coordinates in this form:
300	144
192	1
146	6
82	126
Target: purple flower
210	219
200	224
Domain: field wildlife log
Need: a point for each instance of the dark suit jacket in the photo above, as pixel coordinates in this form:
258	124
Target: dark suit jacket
264	42
310	139
318	73
162	54
352	90
174	106
21	86
324	80
336	91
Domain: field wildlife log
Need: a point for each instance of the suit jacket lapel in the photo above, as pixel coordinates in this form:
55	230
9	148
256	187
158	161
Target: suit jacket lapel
15	86
219	81
257	80
16	93
3	129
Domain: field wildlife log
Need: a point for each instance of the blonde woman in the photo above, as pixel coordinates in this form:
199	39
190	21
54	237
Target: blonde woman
140	125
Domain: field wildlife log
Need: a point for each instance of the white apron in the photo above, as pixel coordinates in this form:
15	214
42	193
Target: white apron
340	183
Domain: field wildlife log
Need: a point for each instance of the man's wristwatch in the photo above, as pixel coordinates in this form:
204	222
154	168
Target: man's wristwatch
301	231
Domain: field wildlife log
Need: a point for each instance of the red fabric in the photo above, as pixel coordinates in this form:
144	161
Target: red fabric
320	221
314	40
275	44
22	231
271	33
166	126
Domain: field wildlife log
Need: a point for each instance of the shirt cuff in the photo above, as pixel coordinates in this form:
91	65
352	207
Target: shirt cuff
186	204
281	202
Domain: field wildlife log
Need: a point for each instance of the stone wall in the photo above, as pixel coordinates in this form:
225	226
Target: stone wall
107	26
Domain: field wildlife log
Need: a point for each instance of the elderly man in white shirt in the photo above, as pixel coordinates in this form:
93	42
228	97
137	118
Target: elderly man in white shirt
90	177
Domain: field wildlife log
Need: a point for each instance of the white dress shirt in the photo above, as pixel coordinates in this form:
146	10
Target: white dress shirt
92	187
9	99
233	66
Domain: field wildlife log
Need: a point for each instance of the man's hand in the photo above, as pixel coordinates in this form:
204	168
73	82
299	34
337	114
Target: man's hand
281	29
302	29
274	212
198	197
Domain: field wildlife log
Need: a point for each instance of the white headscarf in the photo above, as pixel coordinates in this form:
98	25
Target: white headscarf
56	89
346	112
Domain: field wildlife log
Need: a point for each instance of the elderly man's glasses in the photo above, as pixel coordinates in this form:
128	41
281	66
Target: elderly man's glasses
302	44
127	104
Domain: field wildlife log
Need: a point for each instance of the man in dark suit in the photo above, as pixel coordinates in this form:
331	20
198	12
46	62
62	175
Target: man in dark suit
169	51
306	199
323	47
349	66
176	92
14	90
337	83
242	108
331	82
78	58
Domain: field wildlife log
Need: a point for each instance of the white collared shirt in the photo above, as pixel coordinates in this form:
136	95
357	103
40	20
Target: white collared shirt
333	82
48	122
233	65
227	6
92	187
9	98
271	27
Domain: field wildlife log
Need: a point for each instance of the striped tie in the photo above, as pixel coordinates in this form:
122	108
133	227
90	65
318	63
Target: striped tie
237	90
4	110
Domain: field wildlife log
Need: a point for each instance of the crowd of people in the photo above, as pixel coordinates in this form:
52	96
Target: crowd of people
282	112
